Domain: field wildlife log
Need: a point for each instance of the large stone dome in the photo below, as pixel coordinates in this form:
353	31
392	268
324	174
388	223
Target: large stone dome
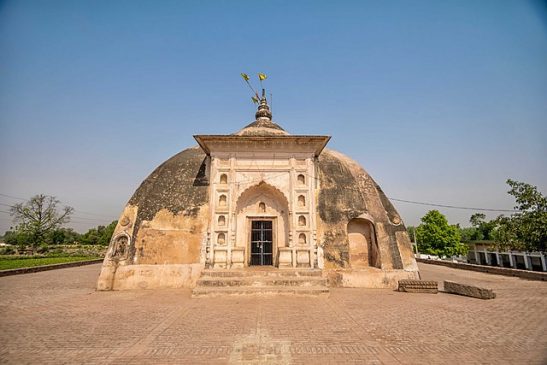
332	214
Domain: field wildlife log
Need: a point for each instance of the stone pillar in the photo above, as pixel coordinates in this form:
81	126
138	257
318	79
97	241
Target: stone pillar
527	263
543	263
498	258
486	257
512	262
477	257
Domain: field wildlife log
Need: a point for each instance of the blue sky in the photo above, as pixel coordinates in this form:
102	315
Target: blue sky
440	101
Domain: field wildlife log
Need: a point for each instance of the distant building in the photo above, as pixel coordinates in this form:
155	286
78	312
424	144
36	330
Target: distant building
258	197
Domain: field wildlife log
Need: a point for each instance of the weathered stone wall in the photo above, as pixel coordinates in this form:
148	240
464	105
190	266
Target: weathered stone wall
348	192
166	224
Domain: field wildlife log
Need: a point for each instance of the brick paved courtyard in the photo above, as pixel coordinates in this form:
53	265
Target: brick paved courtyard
56	317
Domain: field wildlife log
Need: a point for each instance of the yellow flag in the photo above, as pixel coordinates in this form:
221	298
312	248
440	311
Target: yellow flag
245	76
262	76
255	99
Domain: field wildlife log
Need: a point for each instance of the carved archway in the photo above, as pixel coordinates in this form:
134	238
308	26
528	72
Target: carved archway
263	186
262	202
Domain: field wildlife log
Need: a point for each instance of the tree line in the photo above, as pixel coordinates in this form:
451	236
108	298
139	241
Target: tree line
524	230
41	220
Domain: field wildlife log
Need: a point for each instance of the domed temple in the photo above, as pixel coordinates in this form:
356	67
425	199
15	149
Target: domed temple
258	197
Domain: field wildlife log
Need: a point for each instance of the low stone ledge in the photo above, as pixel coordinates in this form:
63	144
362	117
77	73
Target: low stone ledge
468	290
64	265
496	270
418	286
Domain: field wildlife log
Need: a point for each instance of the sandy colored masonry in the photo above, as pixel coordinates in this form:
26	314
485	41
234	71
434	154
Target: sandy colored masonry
259	196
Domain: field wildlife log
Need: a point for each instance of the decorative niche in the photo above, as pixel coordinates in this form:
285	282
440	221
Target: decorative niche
224	179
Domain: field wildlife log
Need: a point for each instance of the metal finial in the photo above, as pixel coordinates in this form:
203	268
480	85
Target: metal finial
263	111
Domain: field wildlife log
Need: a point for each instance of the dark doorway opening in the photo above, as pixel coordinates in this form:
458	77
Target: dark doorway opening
261	243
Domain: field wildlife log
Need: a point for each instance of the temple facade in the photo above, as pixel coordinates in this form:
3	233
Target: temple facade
258	198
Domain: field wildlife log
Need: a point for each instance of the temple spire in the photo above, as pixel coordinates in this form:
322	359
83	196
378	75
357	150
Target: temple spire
263	112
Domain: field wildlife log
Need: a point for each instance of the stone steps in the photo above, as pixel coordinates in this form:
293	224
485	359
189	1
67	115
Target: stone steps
256	272
260	290
260	281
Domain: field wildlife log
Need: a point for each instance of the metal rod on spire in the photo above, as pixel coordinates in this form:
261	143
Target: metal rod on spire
256	98
246	78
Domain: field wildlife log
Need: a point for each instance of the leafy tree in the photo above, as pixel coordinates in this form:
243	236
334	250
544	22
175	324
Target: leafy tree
437	237
62	236
39	216
16	237
476	219
411	230
99	236
483	230
526	229
469	234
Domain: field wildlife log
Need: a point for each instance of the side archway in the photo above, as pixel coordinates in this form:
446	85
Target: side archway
363	246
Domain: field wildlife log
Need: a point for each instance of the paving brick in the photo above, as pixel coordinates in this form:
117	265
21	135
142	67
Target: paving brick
56	317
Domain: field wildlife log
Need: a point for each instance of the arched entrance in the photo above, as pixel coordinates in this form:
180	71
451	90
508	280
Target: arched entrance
363	248
262	224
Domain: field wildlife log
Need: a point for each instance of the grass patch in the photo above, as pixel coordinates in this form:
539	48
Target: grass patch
18	262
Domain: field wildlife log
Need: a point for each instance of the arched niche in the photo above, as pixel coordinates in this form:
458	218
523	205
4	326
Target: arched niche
222	200
301	179
224	179
221	239
301	201
120	247
221	220
363	247
302	239
302	221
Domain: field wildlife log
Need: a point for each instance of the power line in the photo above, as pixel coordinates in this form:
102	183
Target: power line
89	213
23	199
91	219
250	180
85	218
394	199
453	206
13	197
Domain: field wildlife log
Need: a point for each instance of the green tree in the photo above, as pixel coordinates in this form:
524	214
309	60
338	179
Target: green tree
39	216
16	237
527	228
469	234
107	233
62	236
411	230
100	235
484	230
437	237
